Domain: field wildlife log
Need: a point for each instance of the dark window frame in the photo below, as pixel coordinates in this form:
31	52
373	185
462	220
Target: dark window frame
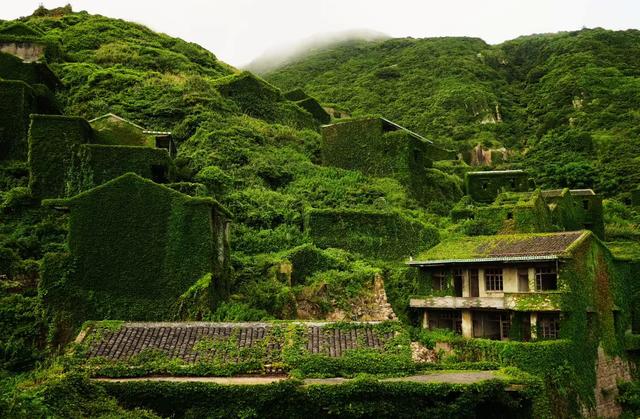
493	279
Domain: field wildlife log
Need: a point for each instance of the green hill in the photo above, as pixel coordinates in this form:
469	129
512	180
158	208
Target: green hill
566	102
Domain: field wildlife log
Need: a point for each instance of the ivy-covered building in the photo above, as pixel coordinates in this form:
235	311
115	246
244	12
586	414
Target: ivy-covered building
378	147
576	209
485	186
135	247
67	156
111	129
523	287
26	86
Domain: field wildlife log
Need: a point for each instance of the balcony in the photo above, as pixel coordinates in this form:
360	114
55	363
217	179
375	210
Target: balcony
516	301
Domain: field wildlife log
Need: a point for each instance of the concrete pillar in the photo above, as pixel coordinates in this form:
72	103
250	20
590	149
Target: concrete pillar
425	319
466	287
532	279
482	292
534	326
467	324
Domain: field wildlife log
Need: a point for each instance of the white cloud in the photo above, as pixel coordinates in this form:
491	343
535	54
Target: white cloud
239	30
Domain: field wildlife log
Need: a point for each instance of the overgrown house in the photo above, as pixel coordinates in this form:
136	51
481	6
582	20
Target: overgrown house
524	287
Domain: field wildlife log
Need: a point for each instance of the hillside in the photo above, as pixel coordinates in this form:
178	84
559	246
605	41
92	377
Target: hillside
208	214
567	102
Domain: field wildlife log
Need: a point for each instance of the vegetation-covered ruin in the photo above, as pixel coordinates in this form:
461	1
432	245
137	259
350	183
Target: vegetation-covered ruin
245	230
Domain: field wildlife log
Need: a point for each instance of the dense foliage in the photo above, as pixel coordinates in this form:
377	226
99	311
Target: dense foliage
308	240
567	101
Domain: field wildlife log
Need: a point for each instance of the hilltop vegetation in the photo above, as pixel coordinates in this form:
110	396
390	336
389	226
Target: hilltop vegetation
566	103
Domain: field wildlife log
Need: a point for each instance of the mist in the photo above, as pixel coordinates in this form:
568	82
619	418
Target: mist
282	55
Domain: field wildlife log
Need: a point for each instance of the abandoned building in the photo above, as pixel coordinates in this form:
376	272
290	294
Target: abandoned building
112	129
138	246
582	208
66	157
378	147
310	104
512	286
26	86
485	186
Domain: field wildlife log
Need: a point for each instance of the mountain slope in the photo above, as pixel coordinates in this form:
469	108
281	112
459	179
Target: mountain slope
534	93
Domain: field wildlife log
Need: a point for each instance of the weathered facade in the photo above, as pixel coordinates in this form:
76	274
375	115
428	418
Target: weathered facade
506	287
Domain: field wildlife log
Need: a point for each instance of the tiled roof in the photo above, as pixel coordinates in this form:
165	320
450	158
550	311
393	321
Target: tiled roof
180	340
505	248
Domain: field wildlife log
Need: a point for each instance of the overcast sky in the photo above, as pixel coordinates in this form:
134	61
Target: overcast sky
239	30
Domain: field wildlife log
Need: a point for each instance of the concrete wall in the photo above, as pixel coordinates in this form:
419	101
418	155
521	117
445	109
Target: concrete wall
28	52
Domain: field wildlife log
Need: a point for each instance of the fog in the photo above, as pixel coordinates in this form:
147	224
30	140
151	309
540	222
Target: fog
238	31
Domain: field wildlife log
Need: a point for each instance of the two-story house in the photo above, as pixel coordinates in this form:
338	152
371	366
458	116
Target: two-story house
510	286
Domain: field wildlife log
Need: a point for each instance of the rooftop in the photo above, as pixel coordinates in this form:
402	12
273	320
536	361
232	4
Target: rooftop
501	248
184	340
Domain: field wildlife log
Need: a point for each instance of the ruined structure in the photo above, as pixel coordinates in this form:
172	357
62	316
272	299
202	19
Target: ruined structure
485	186
378	147
309	104
112	129
136	247
26	86
500	286
66	157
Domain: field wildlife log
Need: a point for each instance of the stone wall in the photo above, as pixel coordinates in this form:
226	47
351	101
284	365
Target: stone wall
28	52
609	370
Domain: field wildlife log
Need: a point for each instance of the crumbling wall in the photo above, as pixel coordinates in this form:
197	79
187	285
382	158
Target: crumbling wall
28	52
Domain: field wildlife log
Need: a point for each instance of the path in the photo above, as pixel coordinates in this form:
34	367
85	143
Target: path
456	377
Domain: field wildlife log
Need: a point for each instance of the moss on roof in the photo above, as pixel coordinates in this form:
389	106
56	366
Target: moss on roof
511	245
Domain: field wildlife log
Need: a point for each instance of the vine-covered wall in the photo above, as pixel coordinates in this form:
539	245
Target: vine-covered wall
362	144
17	101
136	247
259	99
375	234
93	165
52	140
485	186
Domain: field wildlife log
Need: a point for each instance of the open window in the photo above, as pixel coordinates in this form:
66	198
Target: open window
446	319
439	279
546	278
523	280
491	324
549	325
585	204
159	173
458	278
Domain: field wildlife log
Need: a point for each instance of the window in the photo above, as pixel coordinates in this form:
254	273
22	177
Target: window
510	215
485	185
585	204
546	278
491	324
458	277
474	288
549	325
512	183
439	280
159	174
493	279
445	319
523	280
